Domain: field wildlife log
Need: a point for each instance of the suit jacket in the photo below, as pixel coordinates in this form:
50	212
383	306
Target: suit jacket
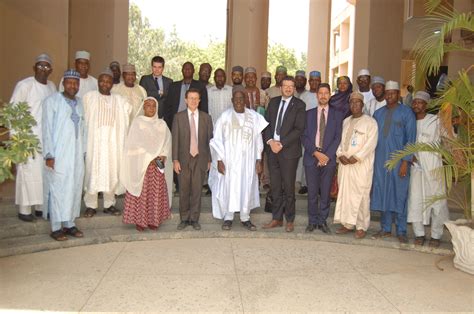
172	100
181	138
332	135
148	83
292	126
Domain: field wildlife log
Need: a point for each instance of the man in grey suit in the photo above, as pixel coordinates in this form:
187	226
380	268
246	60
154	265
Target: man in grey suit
191	133
156	84
286	116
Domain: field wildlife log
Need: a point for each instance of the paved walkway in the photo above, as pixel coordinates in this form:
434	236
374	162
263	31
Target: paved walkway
232	275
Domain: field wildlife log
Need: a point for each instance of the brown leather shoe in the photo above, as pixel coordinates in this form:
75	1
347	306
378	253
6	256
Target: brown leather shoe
290	227
273	224
360	234
343	230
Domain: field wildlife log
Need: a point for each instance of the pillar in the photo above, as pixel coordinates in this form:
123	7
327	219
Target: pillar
247	34
319	37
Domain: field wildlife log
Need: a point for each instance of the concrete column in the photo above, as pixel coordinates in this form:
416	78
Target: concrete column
319	37
247	34
28	28
379	33
100	27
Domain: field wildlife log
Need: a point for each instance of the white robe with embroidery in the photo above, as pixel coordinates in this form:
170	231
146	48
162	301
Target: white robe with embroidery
107	121
425	181
355	180
237	142
134	96
29	177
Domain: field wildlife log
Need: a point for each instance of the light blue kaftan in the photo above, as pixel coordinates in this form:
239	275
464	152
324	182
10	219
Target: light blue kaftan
64	140
389	190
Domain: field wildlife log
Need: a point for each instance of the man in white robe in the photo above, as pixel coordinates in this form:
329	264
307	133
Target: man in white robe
219	95
426	181
236	150
133	93
378	90
355	155
88	82
107	120
64	146
29	178
363	82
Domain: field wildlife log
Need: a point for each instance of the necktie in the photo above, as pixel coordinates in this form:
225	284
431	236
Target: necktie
157	85
194	145
280	117
322	128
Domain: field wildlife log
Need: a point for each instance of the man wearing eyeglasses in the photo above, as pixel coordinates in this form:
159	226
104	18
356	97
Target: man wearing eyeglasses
29	181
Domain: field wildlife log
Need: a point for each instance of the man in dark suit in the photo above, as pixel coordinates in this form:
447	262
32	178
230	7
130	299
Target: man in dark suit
286	115
155	84
192	131
175	101
320	140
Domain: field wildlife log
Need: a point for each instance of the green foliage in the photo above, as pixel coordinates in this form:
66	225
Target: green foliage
146	42
22	143
455	102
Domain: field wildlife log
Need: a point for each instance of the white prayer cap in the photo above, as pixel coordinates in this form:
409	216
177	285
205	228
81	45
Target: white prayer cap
107	71
390	85
357	95
378	80
82	54
250	70
43	57
422	95
128	68
266	74
363	72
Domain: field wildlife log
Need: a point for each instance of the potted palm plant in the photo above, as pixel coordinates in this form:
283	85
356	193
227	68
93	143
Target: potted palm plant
455	104
18	142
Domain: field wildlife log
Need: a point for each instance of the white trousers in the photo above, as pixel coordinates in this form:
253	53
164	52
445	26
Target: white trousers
91	199
437	226
243	216
26	210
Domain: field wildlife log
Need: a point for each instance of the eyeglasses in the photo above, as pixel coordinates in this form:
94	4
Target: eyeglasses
43	67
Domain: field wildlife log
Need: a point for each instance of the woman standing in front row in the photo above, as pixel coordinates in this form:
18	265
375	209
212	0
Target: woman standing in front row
146	170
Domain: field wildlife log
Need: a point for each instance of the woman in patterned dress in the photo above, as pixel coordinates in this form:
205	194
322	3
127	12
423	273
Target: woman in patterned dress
147	148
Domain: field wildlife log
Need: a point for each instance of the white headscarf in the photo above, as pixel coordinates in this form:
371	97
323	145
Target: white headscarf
148	138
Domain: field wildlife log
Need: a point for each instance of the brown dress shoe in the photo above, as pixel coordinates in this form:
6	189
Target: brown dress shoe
360	234
290	227
273	224
343	230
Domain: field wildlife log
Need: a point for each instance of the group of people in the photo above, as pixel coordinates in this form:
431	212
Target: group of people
113	136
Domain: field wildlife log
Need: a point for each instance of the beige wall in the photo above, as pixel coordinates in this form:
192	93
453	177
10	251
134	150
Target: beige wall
100	27
28	28
247	35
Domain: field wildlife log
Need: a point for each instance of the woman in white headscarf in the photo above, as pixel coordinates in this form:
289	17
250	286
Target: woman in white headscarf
148	183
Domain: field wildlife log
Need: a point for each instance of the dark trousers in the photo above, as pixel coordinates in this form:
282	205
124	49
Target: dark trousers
190	187
318	180
282	180
386	219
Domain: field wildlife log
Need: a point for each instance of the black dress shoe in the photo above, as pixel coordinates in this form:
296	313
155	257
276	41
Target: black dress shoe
182	225
310	228
38	213
249	225
303	190
196	225
27	218
324	228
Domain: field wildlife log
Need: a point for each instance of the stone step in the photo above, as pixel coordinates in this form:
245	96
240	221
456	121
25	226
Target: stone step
9	209
123	233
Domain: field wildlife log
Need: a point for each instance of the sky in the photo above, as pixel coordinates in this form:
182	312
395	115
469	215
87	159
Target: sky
203	20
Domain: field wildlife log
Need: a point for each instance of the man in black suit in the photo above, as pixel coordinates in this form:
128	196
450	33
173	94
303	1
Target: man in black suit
155	84
287	117
175	101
